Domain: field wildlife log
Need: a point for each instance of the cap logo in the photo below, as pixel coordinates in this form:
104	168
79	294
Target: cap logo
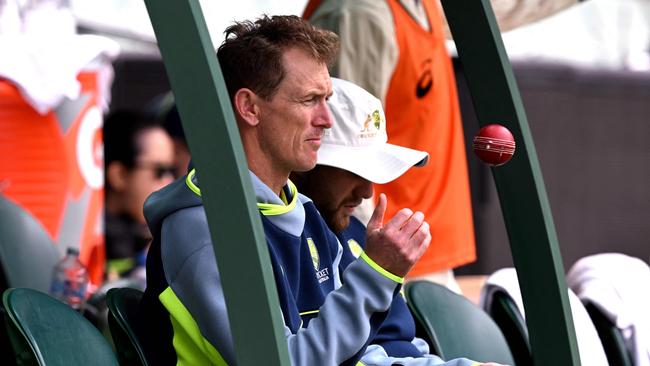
371	125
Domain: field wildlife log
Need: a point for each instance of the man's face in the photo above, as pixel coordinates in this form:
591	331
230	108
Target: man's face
154	169
335	192
291	124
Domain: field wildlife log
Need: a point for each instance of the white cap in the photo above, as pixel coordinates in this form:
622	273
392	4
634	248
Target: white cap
357	142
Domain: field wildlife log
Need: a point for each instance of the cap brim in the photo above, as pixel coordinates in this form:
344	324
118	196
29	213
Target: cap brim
379	164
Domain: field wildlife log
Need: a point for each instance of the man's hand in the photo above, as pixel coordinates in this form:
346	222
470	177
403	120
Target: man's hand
397	245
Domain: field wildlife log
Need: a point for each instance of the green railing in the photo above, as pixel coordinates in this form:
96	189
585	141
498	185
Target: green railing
226	189
524	203
234	221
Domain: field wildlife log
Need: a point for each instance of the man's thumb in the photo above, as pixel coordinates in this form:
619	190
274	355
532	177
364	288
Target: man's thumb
377	219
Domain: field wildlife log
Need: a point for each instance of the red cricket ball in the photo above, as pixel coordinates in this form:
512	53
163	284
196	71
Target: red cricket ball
494	144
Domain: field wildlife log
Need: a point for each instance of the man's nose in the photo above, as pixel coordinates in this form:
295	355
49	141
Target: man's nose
364	189
324	116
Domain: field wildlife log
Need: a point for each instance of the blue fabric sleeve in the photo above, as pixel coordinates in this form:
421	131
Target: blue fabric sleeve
376	356
342	327
193	275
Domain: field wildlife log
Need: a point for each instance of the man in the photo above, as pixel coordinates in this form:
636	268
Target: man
139	159
276	73
352	157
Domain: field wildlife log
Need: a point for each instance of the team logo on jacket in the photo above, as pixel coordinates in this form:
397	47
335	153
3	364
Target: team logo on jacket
355	248
321	274
315	258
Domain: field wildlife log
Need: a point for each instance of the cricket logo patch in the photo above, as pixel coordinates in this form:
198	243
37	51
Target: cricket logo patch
315	258
355	248
322	275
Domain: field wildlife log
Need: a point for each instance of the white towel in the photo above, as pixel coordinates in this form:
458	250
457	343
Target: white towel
589	344
45	69
619	285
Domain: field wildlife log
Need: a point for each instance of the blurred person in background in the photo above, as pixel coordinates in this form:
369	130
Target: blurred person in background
139	159
163	108
173	126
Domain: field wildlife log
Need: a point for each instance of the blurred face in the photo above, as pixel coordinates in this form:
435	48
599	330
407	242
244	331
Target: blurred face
181	156
154	168
291	124
335	192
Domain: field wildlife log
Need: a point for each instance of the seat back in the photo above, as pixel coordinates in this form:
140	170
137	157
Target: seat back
454	326
501	298
27	257
51	333
122	305
27	254
610	336
508	318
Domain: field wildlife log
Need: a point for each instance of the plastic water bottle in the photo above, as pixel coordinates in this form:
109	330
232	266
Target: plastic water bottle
70	280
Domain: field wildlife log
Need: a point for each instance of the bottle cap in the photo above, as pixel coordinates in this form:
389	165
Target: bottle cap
72	251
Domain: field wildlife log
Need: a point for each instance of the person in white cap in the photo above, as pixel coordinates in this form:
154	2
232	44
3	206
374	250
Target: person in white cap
354	154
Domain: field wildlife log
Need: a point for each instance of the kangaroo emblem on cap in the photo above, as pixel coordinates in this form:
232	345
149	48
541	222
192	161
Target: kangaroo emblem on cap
375	118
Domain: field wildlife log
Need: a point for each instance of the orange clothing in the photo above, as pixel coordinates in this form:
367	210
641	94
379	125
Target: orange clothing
422	113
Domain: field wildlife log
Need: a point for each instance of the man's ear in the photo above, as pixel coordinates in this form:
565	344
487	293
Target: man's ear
246	106
116	176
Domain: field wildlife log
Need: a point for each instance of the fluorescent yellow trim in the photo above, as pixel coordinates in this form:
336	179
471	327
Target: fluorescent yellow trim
120	265
190	346
378	268
190	184
309	312
271	209
283	197
267	209
360	364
